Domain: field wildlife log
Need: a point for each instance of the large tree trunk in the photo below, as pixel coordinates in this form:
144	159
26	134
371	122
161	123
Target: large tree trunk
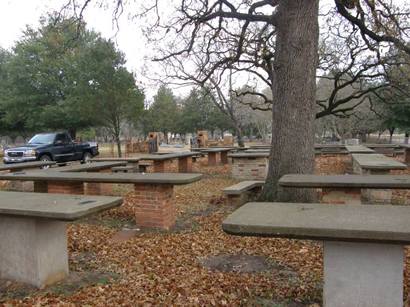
294	91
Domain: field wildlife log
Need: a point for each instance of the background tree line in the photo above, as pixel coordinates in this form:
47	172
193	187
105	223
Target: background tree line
63	76
201	110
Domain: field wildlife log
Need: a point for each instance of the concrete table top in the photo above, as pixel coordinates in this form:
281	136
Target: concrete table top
358	149
170	156
249	155
87	167
261	146
25	165
221	149
351	223
406	146
256	150
381	145
113	159
377	161
125	178
346	181
54	206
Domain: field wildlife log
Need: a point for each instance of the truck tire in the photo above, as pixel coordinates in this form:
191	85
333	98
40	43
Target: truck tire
45	158
87	157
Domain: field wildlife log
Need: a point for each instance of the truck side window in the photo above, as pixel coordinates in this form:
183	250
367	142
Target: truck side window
62	137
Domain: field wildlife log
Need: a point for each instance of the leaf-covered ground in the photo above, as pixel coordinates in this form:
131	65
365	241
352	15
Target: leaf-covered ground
167	268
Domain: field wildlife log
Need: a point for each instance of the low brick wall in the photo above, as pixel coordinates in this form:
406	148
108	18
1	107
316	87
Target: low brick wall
333	164
256	168
250	168
65	187
93	188
164	166
326	164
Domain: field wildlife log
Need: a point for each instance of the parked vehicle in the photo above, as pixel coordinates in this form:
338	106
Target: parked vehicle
57	146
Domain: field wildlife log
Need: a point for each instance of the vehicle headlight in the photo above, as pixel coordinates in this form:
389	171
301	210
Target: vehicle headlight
30	153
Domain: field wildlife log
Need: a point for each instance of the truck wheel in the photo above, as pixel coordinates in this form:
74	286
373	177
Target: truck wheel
45	158
87	157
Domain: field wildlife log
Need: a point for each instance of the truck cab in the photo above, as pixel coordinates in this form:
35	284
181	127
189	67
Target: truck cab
57	146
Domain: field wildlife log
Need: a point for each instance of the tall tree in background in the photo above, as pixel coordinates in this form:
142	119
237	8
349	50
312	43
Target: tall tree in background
44	72
164	112
62	76
5	57
113	90
200	113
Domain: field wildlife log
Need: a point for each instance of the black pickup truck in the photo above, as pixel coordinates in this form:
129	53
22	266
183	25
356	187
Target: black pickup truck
51	147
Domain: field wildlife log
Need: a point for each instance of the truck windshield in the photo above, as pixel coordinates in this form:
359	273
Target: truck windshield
47	138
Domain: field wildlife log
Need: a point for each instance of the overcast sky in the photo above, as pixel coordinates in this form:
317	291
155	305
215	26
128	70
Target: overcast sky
16	14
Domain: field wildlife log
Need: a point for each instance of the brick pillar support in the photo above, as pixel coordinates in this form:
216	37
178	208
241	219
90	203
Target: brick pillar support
224	157
95	188
153	206
185	165
159	166
65	187
211	158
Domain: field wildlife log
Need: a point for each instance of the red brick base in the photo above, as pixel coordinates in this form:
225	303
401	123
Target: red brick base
95	188
332	164
161	166
224	157
65	187
153	206
185	165
211	158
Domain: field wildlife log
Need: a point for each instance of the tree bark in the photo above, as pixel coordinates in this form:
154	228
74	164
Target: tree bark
73	133
118	142
166	137
391	132
239	136
294	92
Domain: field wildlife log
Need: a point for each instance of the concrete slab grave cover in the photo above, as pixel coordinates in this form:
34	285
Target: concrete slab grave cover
363	245
33	239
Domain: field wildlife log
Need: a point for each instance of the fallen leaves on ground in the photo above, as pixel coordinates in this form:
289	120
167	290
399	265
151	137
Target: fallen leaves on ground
165	268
